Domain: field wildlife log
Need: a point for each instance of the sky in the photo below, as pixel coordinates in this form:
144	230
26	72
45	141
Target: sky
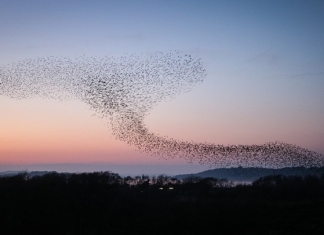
265	78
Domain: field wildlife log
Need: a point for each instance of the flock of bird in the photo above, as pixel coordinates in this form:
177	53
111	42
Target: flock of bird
124	90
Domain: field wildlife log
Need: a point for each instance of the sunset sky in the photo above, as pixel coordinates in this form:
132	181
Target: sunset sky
265	78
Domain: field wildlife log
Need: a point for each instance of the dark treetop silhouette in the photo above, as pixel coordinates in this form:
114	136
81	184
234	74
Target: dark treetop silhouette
104	203
125	89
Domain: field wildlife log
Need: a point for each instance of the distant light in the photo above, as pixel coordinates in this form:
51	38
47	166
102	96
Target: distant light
171	188
160	188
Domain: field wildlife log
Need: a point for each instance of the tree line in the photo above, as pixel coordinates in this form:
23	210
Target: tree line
106	203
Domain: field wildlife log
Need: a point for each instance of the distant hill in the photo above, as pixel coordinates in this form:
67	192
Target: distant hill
250	174
30	174
9	173
238	174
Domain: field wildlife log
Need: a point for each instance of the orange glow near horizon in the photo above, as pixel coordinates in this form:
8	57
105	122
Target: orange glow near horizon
41	131
47	131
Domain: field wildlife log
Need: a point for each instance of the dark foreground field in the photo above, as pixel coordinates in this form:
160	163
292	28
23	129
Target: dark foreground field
104	203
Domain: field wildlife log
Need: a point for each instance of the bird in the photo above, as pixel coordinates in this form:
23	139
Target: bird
124	90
